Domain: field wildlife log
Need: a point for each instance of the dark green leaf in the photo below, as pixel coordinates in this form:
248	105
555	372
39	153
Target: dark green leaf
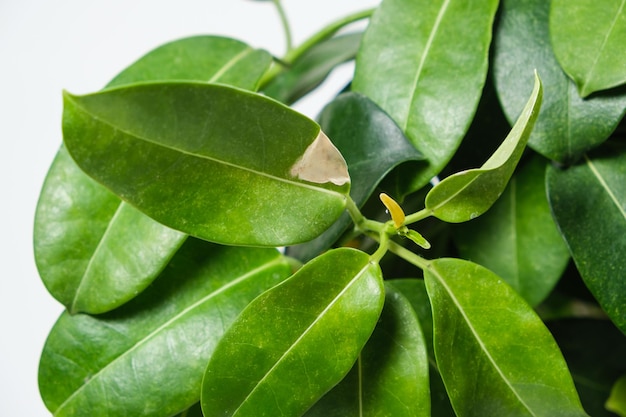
148	356
617	400
313	67
595	352
468	194
567	125
589	205
593	57
495	355
296	341
93	251
372	145
425	62
391	374
193	411
216	162
517	238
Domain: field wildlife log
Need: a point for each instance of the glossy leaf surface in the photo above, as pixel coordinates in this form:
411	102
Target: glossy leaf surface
391	374
468	194
594	58
588	202
312	68
517	238
494	353
567	125
372	145
296	341
93	251
186	155
410	53
617	399
148	356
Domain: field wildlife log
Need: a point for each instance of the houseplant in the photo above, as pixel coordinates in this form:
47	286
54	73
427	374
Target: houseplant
158	222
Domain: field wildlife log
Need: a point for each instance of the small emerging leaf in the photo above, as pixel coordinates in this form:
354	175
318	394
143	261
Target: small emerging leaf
466	195
215	162
494	353
297	340
617	400
396	212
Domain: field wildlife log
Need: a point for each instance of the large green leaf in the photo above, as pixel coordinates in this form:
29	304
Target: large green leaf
391	375
593	57
213	161
312	68
372	145
296	341
93	251
588	202
147	357
617	399
567	125
495	355
425	62
594	351
468	194
517	238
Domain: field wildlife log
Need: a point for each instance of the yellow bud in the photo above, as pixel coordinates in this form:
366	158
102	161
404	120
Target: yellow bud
397	214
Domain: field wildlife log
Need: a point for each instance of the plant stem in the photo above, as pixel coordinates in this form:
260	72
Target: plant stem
285	22
326	32
417	216
408	256
383	245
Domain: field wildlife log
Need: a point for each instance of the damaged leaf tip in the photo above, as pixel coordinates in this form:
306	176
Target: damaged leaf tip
321	163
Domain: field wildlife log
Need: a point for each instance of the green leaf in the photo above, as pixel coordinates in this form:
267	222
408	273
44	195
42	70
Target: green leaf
593	374
391	374
495	355
594	58
567	125
372	145
468	194
93	251
517	238
588	202
415	291
312	68
297	340
617	400
147	357
425	62
216	162
193	411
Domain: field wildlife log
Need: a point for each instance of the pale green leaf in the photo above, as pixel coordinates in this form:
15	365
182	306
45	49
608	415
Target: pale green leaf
425	63
148	356
594	57
213	161
494	353
468	194
297	340
617	400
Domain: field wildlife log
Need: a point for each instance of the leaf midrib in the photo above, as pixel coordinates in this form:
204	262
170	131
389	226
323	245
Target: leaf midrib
319	317
456	302
199	156
167	323
604	185
230	63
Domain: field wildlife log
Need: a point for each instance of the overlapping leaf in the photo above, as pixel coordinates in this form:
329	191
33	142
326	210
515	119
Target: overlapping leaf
148	356
296	341
425	62
594	57
567	125
391	374
517	238
617	399
494	353
93	251
468	194
588	202
209	160
372	145
312	68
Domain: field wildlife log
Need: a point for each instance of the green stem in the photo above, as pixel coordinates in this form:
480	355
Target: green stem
417	216
285	22
408	256
326	32
383	245
361	222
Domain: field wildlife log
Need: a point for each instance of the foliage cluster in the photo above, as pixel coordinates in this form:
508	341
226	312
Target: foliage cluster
476	161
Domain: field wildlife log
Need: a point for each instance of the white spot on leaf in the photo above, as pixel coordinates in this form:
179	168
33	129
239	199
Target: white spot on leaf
321	163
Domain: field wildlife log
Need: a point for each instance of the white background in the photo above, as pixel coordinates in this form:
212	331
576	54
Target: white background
78	45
